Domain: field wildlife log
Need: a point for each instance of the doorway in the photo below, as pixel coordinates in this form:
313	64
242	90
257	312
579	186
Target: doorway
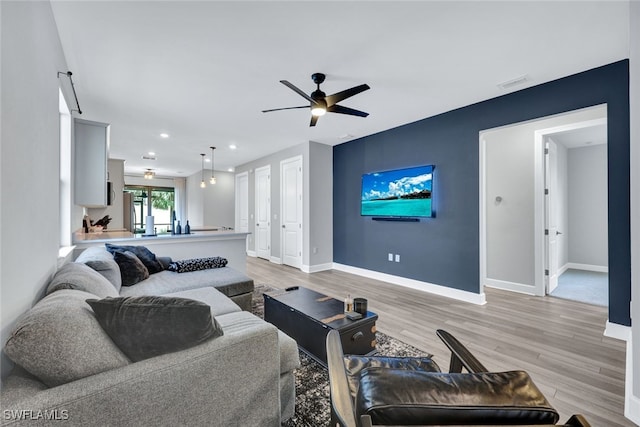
291	211
515	213
242	204
263	212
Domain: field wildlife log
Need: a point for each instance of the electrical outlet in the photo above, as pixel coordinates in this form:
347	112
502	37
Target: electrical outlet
397	257
390	257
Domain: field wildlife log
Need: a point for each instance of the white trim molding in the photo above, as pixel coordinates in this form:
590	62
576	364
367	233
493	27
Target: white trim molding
631	402
316	268
466	296
275	260
252	254
510	286
588	267
617	331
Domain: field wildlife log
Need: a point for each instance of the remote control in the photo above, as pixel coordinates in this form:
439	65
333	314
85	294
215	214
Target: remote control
353	315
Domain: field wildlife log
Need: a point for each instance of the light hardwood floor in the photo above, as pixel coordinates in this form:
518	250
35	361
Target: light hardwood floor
559	342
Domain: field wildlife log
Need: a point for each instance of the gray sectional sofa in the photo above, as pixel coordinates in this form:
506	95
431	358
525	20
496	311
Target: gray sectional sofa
68	370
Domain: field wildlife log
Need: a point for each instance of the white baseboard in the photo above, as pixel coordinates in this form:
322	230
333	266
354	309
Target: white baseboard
588	267
563	269
252	254
317	267
275	260
510	286
466	296
617	331
631	402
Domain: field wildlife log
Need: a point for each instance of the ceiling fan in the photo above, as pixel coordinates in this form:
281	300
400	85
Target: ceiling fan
320	103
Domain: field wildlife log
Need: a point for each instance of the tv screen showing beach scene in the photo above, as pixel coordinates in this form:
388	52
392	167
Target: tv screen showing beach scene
398	193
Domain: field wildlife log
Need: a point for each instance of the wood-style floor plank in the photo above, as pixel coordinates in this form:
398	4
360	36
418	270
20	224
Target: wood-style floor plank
560	343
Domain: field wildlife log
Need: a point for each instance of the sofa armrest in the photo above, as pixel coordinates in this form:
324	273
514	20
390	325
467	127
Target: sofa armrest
214	383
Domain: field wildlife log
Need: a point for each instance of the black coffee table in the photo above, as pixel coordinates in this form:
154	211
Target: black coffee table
308	316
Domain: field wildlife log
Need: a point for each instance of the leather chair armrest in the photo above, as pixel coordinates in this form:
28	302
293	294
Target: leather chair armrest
460	355
401	397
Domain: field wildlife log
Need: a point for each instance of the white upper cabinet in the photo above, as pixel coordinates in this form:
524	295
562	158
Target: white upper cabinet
91	154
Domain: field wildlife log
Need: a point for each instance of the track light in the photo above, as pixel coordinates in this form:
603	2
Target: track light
213	178
202	184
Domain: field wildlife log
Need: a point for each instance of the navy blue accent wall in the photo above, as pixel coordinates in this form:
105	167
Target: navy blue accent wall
445	250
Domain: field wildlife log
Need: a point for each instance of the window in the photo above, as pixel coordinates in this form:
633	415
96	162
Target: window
158	202
65	172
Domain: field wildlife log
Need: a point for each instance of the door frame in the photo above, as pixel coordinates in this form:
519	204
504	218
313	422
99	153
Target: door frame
541	258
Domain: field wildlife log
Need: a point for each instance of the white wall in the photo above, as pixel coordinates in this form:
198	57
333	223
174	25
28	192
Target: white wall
30	175
213	205
588	232
317	172
563	204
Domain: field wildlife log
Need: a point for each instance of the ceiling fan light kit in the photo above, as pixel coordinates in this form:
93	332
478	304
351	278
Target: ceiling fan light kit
320	103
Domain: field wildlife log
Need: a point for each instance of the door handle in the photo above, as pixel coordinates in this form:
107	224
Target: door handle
558	233
283	226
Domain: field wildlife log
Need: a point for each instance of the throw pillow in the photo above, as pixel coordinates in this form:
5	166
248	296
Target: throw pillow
80	276
147	257
148	326
195	264
59	340
132	270
102	261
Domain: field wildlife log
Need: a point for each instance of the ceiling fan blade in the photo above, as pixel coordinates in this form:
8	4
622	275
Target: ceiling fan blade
314	120
346	110
298	91
285	108
337	97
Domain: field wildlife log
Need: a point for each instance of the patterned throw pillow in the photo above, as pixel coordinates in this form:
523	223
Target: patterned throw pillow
195	264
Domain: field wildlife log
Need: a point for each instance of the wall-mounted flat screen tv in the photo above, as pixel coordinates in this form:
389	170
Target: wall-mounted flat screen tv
401	193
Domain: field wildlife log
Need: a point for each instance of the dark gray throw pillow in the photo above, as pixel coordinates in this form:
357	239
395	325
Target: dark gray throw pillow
132	270
148	326
147	257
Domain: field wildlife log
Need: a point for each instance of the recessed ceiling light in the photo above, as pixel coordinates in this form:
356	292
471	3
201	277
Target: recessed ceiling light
164	135
152	153
207	160
230	169
233	146
346	135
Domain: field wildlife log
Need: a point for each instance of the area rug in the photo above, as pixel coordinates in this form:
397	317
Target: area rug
312	380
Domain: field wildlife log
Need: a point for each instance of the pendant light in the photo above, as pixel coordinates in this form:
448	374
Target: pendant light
202	184
213	178
149	174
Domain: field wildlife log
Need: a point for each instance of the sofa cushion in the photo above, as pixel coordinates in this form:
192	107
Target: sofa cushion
227	280
59	340
132	270
147	257
80	276
236	322
148	326
195	264
215	299
102	261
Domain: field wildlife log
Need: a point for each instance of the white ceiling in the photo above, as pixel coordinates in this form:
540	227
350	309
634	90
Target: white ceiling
581	137
203	71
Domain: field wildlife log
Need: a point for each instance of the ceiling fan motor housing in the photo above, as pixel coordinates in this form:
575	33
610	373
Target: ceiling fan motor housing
318	78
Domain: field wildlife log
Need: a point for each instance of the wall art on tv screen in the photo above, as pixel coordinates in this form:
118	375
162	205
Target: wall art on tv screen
398	193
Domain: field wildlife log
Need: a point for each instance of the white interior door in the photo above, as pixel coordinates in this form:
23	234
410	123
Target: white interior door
242	202
263	212
291	211
551	204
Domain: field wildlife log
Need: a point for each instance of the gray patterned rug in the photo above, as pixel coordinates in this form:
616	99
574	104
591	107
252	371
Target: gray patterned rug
312	380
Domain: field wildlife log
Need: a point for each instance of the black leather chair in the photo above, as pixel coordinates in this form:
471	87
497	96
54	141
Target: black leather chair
379	390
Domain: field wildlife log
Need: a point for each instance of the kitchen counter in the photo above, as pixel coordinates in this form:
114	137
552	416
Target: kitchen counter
228	244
